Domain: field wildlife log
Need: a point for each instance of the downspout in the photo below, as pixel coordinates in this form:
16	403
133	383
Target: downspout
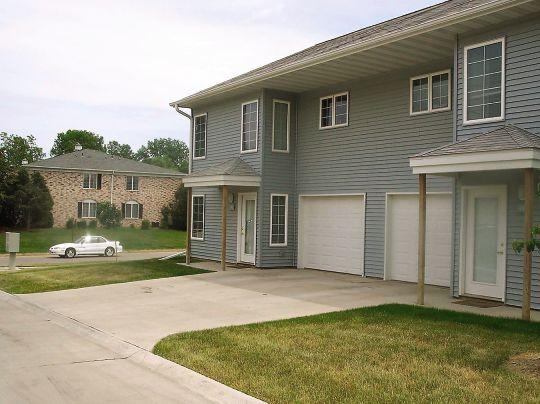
455	271
190	117
112	186
296	221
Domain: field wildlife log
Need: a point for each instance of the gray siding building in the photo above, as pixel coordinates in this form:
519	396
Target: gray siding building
315	160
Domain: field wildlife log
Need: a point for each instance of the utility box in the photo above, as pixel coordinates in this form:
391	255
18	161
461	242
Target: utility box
13	241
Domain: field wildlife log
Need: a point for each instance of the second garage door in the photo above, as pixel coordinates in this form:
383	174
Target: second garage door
331	234
402	238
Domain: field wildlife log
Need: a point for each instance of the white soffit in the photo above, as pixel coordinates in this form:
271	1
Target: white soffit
219	180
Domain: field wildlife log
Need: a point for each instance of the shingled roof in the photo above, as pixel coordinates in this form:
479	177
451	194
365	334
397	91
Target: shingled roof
94	160
504	138
234	167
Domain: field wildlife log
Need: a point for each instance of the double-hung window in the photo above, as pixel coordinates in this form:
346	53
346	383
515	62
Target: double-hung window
250	123
132	210
430	93
278	219
87	209
334	111
90	181
281	126
132	183
484	82
199	136
197	217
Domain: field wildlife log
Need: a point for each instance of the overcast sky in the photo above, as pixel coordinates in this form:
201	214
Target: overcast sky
112	67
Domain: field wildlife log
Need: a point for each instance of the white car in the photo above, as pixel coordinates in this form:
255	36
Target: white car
87	245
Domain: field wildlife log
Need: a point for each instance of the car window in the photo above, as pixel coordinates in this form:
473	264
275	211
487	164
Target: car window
100	240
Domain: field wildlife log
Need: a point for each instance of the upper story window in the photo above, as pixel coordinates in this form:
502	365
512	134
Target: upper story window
132	210
281	126
278	219
91	181
199	136
484	82
430	93
132	183
87	209
197	217
250	123
334	111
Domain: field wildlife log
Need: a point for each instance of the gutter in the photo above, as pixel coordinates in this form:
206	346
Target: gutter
99	170
482	9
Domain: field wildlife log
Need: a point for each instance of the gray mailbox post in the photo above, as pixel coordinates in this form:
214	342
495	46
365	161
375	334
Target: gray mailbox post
12	247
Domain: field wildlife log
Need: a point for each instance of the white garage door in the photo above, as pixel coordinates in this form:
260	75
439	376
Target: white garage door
332	233
402	238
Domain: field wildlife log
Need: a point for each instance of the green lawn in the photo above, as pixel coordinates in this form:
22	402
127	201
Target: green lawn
92	274
391	353
39	240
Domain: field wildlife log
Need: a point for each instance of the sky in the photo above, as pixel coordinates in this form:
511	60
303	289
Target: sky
112	67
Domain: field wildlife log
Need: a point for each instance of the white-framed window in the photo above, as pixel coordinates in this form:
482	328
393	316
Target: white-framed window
484	82
334	111
430	93
250	126
132	210
199	136
278	219
90	181
197	217
87	209
132	183
281	126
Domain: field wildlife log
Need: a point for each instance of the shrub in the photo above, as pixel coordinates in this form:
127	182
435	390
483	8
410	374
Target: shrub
145	224
92	224
173	215
109	215
81	224
70	224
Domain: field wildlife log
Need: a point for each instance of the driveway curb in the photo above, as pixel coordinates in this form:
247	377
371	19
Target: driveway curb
207	388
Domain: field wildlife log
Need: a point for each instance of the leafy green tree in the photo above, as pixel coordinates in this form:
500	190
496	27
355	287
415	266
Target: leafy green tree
65	142
116	149
165	152
108	215
14	149
173	215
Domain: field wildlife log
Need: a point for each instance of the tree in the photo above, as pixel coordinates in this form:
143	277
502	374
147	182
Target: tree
65	142
173	215
116	149
165	152
109	215
14	149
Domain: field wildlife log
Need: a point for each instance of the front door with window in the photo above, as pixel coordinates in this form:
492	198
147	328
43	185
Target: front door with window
247	227
485	241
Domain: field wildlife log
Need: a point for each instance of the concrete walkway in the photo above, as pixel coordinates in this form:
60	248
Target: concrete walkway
47	357
144	312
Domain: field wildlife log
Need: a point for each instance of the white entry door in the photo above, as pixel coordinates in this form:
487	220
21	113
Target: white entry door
485	241
247	221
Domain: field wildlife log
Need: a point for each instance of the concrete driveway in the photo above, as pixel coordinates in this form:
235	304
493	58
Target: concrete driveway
146	311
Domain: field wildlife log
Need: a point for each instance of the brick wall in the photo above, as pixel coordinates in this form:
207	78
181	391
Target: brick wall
66	190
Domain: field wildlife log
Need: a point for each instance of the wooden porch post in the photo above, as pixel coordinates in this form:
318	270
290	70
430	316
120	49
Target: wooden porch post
188	228
527	256
421	237
224	201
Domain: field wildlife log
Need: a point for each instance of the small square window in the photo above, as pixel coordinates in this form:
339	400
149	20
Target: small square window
430	93
334	111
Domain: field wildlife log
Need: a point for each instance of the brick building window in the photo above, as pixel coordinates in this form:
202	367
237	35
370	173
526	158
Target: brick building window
91	181
132	183
132	210
87	209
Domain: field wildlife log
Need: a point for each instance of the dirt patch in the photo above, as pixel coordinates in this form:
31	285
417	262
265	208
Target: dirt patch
527	363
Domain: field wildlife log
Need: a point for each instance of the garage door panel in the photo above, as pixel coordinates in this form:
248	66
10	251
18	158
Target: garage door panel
402	238
332	233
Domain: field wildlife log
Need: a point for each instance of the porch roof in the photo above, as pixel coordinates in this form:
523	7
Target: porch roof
233	172
506	147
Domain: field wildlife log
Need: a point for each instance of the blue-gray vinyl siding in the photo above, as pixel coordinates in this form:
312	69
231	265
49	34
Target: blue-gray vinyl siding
370	155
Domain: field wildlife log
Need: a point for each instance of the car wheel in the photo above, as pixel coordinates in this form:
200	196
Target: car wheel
70	253
109	252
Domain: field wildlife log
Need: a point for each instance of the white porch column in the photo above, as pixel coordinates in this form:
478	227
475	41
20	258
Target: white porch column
224	201
188	228
421	238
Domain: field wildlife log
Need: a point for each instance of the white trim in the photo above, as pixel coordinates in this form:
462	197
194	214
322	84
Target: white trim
274	102
242	127
466	121
88	202
386	229
241	197
479	161
205	114
217	180
204	217
429	76
380	40
301	198
333	97
286	219
132	176
464	189
131	210
103	171
89	180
